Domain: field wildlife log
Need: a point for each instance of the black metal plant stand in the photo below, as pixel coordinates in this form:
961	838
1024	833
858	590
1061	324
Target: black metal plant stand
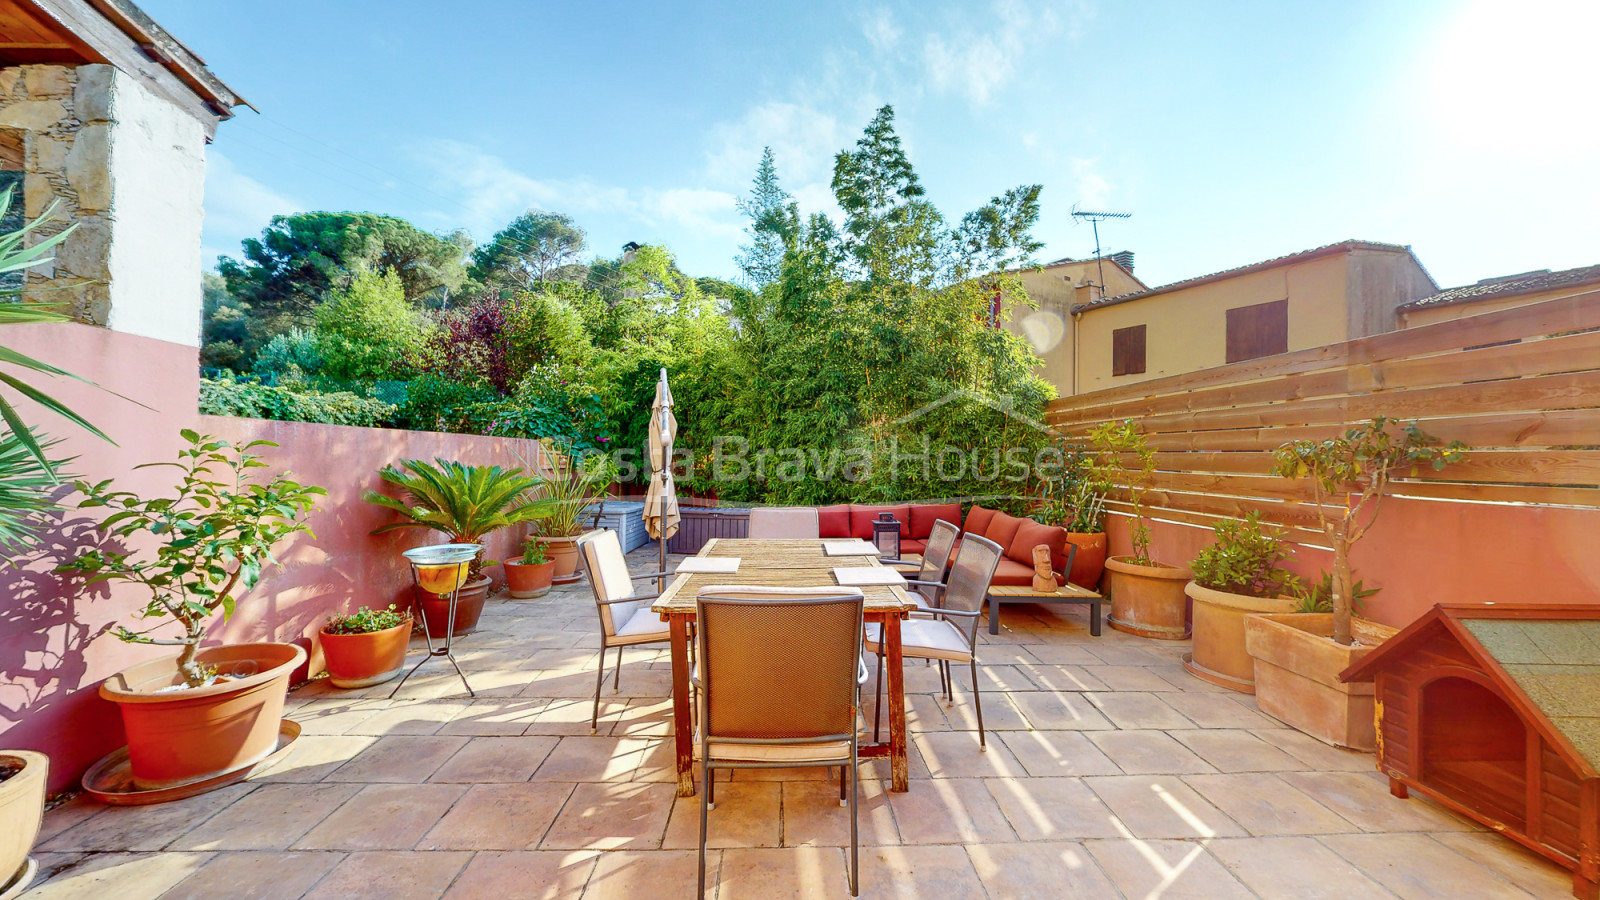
443	554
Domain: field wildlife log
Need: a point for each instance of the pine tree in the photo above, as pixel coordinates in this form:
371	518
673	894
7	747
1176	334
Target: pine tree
771	225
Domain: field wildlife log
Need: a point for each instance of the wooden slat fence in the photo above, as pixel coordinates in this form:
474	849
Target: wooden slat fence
1520	386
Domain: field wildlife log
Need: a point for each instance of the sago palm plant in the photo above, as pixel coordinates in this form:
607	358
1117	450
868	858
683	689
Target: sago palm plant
465	502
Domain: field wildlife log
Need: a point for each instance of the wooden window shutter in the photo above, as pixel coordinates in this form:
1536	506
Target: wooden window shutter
1127	350
1259	330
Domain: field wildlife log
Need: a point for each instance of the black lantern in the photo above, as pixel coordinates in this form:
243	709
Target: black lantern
886	535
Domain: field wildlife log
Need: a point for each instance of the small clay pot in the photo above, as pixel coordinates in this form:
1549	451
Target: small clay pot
1090	560
563	552
526	582
435	609
363	660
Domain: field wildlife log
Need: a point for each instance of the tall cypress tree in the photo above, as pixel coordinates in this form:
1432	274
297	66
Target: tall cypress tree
771	225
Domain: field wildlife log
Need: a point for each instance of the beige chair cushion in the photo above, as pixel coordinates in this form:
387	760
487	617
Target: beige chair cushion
795	754
764	592
608	571
643	626
925	639
775	523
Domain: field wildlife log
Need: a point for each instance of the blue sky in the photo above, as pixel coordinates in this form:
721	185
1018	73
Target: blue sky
1233	131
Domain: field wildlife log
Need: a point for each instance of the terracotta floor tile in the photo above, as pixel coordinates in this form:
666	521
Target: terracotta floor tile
1236	750
567	715
1053	809
1148	753
1297	867
1366	802
410	718
1052	754
1135	709
618	816
495	717
271	817
1161	806
630	875
957	754
812	873
1061	654
748	814
1181	680
498	817
400	759
1266	805
1170	870
586	758
914	873
255	875
1058	711
489	760
391	876
645	717
67	815
1511	861
1121	652
314	757
383	817
119	828
949	811
1417	867
812	816
1030	871
534	875
1128	678
336	715
1218	710
1317	756
999	713
123	876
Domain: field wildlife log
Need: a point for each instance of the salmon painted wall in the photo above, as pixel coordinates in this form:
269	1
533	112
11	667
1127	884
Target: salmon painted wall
54	642
1423	552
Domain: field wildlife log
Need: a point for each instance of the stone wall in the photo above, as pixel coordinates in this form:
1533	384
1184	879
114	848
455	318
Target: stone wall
129	168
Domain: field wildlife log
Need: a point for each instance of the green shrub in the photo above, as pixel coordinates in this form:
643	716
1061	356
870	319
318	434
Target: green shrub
253	400
435	403
366	621
1244	560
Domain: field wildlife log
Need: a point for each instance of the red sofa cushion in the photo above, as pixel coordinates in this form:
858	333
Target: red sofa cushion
1010	572
833	521
912	545
861	519
923	515
1032	534
978	519
1003	529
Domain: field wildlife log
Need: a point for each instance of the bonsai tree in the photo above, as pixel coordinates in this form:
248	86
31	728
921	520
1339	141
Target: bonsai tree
465	502
1123	457
1244	560
1349	476
211	539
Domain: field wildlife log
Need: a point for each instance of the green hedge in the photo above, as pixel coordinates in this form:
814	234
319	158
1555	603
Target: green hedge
259	401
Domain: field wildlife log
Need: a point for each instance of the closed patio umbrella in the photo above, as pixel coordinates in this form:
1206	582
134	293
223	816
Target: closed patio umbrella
661	503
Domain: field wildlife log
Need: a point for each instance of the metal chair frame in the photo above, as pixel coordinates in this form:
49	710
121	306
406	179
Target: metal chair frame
585	542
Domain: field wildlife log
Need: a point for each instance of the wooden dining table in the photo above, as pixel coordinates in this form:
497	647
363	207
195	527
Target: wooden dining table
784	563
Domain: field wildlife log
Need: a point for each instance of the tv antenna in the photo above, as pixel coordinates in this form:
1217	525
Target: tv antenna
1094	219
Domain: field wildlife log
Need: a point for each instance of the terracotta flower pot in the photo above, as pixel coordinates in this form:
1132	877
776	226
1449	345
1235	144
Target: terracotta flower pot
1219	653
1148	600
21	811
563	552
435	609
1090	560
1297	668
179	737
363	660
528	581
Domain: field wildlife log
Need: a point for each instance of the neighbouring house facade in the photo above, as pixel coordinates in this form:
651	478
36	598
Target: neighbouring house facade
1309	299
1493	294
1055	288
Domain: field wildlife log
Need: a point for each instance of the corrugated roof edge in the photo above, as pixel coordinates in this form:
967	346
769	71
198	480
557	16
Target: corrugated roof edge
1302	256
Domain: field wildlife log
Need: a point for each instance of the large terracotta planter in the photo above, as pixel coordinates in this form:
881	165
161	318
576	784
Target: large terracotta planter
363	660
1297	675
1219	653
180	737
563	552
1148	600
21	812
435	609
1090	560
526	582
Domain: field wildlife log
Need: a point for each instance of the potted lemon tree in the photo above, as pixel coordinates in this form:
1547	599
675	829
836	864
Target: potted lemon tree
1147	596
194	553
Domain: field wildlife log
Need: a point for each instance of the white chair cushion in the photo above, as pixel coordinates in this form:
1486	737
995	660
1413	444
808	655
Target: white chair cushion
642	627
797	754
926	639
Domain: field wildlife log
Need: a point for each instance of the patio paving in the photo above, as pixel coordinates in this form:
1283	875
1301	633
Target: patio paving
1110	773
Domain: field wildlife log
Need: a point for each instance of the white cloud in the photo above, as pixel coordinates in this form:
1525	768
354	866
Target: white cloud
1093	190
704	211
977	62
881	31
803	141
237	206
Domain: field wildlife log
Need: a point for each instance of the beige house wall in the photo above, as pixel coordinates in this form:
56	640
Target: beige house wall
1048	326
1428	315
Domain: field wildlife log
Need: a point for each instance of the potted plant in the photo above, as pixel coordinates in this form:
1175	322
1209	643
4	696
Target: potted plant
575	482
203	713
23	776
366	647
1076	502
530	576
1147	596
466	503
1298	656
1237	575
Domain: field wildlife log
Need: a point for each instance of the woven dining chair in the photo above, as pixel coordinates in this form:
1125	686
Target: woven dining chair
935	559
778	685
948	632
784	522
625	616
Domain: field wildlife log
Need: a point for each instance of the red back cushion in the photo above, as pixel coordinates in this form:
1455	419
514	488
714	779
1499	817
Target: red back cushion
923	515
978	519
1002	528
1031	535
861	519
833	521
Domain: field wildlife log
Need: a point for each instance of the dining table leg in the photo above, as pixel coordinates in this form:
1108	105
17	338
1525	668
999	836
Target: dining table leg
682	723
899	766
